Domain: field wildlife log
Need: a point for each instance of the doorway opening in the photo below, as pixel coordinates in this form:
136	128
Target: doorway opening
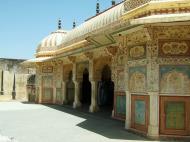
86	89
70	89
106	91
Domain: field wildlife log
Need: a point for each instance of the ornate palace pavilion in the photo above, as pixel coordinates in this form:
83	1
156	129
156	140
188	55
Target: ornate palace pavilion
132	59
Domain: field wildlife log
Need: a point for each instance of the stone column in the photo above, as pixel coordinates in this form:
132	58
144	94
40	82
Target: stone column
94	93
153	88
2	81
77	102
64	89
153	128
94	86
40	89
54	90
14	88
128	110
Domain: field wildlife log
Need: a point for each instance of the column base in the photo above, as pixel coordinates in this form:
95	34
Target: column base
13	95
93	108
153	131
113	113
127	124
65	102
1	93
76	104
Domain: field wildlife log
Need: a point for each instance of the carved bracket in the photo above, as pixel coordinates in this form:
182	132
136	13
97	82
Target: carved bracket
88	55
72	59
148	33
112	50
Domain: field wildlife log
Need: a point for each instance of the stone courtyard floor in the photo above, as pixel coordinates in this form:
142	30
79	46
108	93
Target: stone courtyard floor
22	122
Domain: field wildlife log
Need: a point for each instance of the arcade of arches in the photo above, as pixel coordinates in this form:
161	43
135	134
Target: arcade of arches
138	66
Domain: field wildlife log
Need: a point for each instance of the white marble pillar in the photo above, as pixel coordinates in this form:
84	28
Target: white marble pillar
94	93
64	83
153	128
77	102
128	110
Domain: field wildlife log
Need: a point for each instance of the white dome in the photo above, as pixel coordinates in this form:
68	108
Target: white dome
51	42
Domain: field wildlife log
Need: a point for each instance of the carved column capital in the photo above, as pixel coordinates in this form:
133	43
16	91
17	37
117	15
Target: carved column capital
112	50
72	59
88	55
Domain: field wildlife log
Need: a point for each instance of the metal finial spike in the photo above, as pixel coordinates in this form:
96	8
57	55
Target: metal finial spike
74	24
59	24
97	7
113	2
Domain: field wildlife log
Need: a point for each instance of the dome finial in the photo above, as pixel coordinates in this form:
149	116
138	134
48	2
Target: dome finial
113	2
59	24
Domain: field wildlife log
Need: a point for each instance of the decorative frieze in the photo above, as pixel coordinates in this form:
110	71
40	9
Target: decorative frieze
174	61
137	62
137	38
137	52
171	32
47	69
174	48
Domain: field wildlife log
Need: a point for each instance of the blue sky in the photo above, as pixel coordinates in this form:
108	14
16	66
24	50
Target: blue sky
24	23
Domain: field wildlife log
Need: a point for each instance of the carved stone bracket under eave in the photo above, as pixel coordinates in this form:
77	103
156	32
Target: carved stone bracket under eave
88	55
72	59
148	32
112	50
38	65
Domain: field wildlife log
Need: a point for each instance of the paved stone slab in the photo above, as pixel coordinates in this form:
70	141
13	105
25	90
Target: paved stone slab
39	123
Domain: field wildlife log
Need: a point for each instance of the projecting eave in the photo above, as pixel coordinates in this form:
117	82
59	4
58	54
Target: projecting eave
32	62
165	18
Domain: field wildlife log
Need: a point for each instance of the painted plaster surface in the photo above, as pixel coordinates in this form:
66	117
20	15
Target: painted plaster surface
121	105
175	79
175	115
140	110
137	81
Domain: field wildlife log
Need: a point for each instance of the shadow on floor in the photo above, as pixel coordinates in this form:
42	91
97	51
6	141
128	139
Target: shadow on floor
100	124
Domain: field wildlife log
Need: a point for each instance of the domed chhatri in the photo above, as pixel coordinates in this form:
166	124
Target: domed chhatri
52	41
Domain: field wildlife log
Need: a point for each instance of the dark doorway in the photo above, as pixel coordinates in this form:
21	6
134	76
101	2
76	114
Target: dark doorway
86	88
106	90
70	89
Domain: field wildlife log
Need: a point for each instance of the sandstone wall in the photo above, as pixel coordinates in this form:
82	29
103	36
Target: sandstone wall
11	68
